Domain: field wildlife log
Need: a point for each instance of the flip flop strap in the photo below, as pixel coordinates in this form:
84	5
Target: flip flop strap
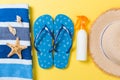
36	42
56	38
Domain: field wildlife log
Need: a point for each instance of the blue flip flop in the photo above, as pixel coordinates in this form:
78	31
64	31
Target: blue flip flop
43	29
63	32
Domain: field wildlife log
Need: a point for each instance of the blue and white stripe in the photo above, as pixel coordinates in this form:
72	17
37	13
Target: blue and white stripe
9	14
25	6
13	78
22	42
5	24
14	68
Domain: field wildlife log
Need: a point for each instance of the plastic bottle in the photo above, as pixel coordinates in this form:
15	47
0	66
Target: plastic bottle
81	38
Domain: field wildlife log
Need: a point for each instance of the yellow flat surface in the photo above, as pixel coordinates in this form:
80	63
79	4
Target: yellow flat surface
76	70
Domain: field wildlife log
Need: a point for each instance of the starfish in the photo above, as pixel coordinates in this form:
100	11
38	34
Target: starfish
16	48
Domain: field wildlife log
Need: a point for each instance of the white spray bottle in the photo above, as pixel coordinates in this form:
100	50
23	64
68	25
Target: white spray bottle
82	38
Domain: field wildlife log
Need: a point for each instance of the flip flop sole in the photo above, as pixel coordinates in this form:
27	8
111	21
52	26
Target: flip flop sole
45	58
61	58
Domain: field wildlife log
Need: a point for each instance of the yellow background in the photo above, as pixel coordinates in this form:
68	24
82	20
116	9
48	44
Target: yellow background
76	70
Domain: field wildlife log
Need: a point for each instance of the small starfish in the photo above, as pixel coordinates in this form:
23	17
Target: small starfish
16	48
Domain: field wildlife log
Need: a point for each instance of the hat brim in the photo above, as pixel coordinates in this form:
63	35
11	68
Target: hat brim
95	45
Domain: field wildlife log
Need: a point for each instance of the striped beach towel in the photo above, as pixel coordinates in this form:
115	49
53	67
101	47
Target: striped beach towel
12	67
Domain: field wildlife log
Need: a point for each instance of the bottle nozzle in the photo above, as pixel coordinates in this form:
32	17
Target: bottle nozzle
81	23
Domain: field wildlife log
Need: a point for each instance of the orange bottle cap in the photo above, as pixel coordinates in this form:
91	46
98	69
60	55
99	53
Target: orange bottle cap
81	23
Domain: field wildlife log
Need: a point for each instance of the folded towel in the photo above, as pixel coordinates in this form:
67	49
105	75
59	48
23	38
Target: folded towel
15	49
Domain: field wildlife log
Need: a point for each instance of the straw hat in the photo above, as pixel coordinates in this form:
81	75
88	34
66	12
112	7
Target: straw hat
105	41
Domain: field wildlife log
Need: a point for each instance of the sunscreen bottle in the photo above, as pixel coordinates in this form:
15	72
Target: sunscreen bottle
81	38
